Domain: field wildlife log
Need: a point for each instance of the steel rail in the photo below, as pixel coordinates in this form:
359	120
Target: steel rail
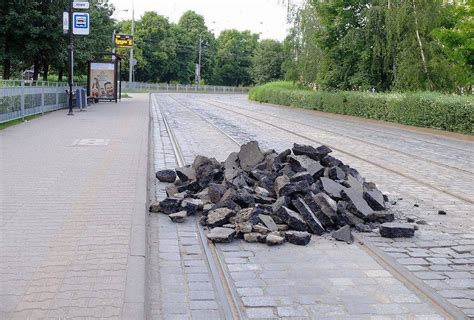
439	303
352	138
355	119
226	295
452	194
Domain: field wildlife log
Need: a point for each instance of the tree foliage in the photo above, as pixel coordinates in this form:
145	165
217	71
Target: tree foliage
267	62
169	52
31	35
234	57
381	44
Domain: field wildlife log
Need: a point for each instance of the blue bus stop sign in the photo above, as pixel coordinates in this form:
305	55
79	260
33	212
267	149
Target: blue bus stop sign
80	23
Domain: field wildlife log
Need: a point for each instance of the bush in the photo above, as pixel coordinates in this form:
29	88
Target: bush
422	109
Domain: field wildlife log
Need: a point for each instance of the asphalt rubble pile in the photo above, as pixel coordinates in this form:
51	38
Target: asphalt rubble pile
270	197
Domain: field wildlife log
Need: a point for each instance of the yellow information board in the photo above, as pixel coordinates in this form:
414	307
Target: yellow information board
123	41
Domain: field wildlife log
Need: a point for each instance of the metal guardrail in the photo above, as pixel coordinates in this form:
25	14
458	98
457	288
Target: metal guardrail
21	98
166	87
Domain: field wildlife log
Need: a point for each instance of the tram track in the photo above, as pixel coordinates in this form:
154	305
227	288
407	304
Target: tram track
228	300
390	264
463	198
360	121
464	171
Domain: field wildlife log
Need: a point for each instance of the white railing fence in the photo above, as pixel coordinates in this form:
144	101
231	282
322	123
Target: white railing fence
169	87
21	98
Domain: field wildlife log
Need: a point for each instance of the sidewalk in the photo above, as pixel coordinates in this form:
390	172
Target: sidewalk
72	235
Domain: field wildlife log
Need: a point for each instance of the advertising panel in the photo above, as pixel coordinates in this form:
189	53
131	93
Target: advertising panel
102	81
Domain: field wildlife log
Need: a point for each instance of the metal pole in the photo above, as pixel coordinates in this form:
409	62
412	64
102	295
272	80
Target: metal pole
199	68
70	52
113	45
120	79
22	100
130	73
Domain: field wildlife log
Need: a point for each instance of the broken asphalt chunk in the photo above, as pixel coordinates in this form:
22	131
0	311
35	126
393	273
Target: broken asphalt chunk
343	234
178	217
220	234
309	217
332	188
291	218
250	155
219	217
186	173
169	205
375	199
166	175
300	238
268	222
357	205
274	239
311	152
396	230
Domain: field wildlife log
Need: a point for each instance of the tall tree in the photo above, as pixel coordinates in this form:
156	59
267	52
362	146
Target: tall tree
267	61
31	34
156	48
456	37
192	30
234	57
360	44
14	34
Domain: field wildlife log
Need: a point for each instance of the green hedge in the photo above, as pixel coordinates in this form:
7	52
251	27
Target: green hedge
424	109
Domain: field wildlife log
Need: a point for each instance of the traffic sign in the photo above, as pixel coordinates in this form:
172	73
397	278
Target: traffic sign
123	41
80	23
80	4
65	22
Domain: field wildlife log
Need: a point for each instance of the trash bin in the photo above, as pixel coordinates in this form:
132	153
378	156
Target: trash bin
81	99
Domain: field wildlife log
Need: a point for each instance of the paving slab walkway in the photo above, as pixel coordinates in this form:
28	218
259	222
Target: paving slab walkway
72	224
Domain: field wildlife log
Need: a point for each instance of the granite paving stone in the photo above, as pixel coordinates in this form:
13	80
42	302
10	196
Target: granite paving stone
69	214
352	258
260	313
292	311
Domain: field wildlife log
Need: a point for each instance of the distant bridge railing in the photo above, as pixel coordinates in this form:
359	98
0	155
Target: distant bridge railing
22	98
168	87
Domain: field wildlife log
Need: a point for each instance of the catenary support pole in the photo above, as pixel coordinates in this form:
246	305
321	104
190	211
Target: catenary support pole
130	74
199	67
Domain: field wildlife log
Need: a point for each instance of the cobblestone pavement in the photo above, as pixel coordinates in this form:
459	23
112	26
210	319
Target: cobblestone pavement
180	284
452	231
324	280
67	211
442	253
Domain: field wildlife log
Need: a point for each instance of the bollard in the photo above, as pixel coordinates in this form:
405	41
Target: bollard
22	100
42	99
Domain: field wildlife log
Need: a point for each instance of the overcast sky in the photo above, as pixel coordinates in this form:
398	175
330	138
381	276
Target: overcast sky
265	16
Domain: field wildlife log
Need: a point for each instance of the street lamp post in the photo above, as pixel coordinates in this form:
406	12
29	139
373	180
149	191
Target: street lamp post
130	74
70	52
200	56
113	34
119	74
199	61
